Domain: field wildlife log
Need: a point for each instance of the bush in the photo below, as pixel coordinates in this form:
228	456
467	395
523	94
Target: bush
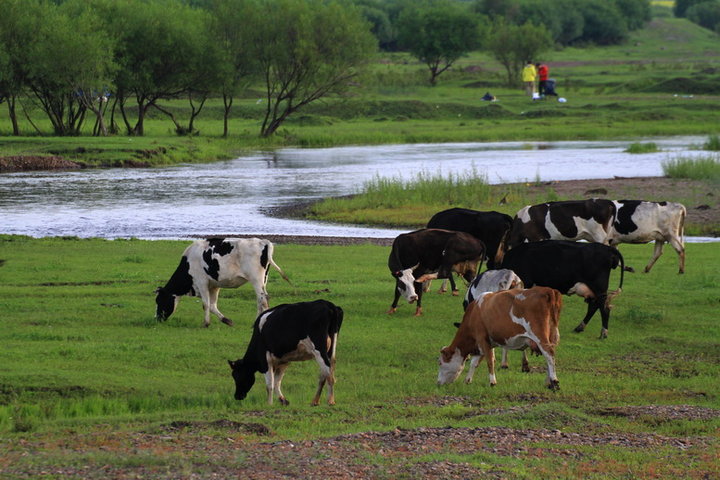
703	168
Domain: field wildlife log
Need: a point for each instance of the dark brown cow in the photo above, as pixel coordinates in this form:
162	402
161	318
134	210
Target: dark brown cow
515	319
427	254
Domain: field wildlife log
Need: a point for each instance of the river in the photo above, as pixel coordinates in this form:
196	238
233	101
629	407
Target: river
231	197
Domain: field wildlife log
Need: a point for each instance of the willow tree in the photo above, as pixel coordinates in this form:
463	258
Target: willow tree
306	50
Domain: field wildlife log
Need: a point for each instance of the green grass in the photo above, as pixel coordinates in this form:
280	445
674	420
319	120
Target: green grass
649	147
702	168
83	353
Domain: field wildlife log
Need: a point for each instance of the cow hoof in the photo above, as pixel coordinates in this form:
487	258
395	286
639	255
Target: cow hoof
554	385
284	401
630	269
580	328
504	367
392	310
418	312
455	293
603	334
525	369
227	321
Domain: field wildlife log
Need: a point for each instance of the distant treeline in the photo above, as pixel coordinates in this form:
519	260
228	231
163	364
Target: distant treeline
111	61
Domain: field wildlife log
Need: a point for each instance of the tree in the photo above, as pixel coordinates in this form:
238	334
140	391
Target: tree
70	63
233	35
681	6
307	50
604	23
513	45
705	14
19	23
438	35
635	12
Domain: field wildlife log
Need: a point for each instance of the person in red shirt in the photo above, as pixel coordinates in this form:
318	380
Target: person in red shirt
543	73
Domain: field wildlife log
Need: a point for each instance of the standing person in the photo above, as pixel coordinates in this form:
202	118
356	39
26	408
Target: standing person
543	72
529	75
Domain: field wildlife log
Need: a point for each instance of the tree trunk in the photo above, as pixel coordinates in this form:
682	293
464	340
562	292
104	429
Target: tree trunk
227	102
13	115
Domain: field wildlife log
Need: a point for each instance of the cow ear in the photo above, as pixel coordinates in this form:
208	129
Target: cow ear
234	364
457	324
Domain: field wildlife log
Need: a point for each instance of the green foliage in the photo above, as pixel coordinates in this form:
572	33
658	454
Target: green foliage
513	45
649	147
439	34
706	14
698	168
712	144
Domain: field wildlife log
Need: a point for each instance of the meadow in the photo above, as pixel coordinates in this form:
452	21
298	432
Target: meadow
87	374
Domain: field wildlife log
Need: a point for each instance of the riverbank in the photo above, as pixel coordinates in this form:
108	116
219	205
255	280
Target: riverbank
701	199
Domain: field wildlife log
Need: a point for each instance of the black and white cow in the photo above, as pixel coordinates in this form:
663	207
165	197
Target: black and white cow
637	221
579	268
290	333
589	220
431	253
491	228
208	265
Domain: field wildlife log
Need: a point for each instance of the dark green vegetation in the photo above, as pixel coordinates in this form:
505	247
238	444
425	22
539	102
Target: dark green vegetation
663	80
89	380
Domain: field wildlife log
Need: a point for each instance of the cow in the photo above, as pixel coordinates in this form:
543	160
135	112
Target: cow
290	333
589	220
208	265
580	268
491	228
637	221
514	319
426	254
494	281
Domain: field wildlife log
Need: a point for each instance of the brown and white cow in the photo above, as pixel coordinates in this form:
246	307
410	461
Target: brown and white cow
514	319
589	220
494	281
431	253
207	266
637	221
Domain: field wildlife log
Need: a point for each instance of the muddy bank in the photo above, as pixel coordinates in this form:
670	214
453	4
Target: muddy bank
21	163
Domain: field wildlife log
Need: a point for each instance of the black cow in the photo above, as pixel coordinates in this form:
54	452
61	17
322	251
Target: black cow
427	254
589	220
491	228
572	268
207	266
289	333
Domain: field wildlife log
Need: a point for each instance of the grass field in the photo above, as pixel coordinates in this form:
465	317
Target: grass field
83	356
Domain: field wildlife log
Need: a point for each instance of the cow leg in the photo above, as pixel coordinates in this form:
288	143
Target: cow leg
605	315
418	290
261	295
213	294
270	383
548	351
680	249
490	358
327	374
279	373
474	362
504	362
656	254
452	286
393	307
525	365
593	305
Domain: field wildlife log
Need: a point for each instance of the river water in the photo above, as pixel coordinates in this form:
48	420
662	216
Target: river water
231	197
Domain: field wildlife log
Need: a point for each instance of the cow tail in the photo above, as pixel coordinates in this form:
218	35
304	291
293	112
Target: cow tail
682	226
268	250
334	331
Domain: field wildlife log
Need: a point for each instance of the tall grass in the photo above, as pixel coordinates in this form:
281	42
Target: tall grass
701	168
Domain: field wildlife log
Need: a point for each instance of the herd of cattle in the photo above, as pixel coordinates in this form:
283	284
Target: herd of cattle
515	304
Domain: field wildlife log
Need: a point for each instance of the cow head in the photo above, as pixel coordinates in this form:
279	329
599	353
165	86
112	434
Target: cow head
451	364
467	269
166	303
244	377
405	283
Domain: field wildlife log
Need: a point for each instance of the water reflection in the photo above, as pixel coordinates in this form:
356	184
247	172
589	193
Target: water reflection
230	197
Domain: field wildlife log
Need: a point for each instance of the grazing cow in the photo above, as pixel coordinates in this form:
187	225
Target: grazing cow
427	254
572	268
494	281
491	228
207	266
567	220
290	333
514	319
642	222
